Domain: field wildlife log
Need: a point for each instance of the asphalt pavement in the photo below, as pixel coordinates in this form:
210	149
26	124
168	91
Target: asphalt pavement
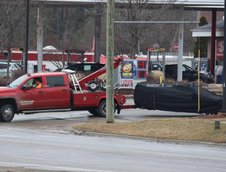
44	141
64	121
35	149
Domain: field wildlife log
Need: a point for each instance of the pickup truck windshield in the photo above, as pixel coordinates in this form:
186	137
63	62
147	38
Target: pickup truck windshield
18	81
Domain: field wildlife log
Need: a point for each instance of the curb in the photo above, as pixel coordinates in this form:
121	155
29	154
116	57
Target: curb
92	134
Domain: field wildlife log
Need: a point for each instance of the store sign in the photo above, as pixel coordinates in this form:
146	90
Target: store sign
132	72
220	48
127	70
127	83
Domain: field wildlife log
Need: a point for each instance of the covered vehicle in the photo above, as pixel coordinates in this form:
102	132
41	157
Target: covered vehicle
175	98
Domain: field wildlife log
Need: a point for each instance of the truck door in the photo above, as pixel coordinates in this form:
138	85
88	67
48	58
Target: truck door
57	92
32	97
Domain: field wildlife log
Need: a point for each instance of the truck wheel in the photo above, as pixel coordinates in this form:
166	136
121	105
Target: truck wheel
93	111
7	113
101	110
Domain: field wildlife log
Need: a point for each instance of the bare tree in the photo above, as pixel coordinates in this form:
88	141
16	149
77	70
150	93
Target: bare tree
11	22
67	27
137	37
73	28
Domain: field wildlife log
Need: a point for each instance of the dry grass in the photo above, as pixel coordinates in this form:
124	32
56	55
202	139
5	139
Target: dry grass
187	129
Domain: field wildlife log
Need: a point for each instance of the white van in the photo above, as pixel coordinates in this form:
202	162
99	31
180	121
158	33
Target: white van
12	67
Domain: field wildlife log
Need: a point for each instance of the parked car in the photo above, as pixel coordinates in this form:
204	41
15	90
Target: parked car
189	73
13	66
85	68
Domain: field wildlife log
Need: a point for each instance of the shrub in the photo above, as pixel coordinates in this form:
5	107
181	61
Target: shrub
4	80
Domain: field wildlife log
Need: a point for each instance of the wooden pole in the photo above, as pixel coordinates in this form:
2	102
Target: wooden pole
26	36
97	51
199	98
110	61
224	62
213	39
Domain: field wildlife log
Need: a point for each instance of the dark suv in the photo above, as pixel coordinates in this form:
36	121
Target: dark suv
189	73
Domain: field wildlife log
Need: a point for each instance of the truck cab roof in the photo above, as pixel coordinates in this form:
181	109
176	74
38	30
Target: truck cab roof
46	74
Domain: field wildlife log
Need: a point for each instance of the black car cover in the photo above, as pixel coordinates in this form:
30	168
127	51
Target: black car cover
176	98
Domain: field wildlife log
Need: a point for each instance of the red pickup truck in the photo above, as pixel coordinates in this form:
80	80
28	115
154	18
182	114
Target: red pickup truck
55	92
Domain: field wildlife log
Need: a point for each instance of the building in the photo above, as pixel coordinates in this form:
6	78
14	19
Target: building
205	31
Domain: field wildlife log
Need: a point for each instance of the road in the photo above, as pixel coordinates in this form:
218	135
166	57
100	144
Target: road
65	120
46	150
44	141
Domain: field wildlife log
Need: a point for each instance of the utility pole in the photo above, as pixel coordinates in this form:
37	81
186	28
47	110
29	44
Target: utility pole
97	48
181	47
40	33
224	63
180	52
110	61
26	37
